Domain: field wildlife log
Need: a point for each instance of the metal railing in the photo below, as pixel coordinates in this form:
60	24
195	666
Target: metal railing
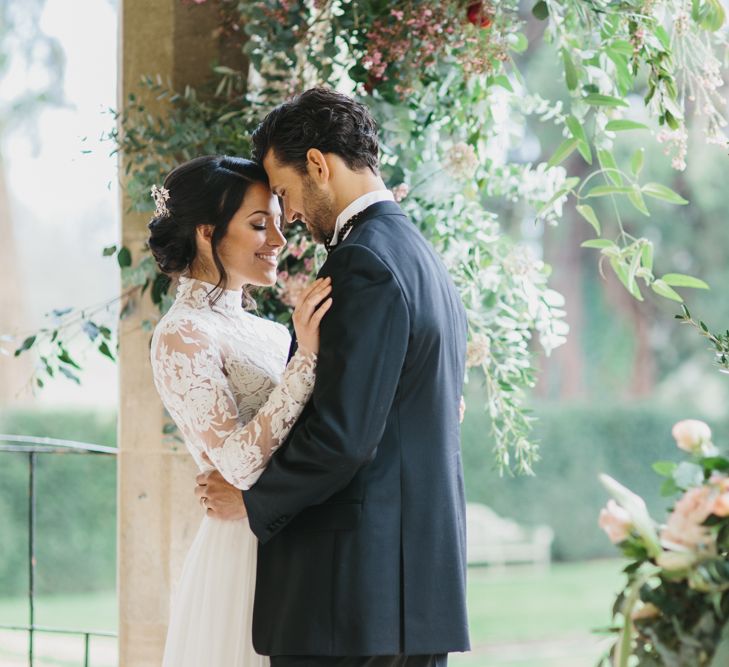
33	446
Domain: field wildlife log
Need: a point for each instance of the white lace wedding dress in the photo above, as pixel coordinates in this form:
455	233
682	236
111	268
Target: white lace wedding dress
222	375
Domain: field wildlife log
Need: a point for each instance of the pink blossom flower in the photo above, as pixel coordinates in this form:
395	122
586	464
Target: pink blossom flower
298	249
615	521
721	505
292	287
684	528
676	560
694	436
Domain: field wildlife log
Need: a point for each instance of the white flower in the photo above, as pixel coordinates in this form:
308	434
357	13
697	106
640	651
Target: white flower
462	161
400	191
478	350
160	196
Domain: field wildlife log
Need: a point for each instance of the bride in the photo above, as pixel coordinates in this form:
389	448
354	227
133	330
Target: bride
222	375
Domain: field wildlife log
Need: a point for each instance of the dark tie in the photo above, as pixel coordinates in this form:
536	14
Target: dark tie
343	231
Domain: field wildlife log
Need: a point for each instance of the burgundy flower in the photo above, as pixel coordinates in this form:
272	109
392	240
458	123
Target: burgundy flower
478	16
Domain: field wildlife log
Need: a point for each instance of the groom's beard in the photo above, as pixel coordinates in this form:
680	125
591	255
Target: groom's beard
318	211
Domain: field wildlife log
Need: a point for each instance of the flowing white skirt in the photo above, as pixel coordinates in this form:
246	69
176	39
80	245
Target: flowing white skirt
212	607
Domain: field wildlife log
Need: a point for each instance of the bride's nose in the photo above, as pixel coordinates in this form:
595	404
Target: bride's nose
275	237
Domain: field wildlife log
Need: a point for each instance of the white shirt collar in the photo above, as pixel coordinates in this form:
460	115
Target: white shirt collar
357	206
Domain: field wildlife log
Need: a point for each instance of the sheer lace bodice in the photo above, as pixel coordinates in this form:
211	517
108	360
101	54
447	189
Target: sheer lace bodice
221	373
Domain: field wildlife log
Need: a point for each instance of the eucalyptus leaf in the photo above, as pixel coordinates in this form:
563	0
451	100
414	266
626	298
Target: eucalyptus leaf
646	253
664	468
540	10
503	81
124	257
687	475
623	125
610	167
681	280
69	374
636	162
587	212
26	345
636	199
518	42
604	190
562	152
599	100
578	132
666	291
598	243
104	349
91	330
660	191
570	71
65	357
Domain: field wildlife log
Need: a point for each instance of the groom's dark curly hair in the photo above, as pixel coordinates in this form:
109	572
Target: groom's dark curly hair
319	118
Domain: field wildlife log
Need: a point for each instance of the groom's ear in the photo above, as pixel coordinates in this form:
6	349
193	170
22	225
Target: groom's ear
317	166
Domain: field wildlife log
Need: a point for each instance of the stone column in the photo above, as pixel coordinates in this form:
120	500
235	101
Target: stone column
15	372
157	512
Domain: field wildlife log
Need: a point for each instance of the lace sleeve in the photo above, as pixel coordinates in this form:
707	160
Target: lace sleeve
189	376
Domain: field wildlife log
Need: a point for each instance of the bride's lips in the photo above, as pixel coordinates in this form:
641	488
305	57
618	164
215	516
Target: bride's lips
271	258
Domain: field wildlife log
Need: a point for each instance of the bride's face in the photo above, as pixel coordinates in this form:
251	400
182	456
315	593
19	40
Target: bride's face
250	248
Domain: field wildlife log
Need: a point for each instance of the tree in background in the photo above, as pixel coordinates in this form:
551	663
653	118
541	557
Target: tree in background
29	55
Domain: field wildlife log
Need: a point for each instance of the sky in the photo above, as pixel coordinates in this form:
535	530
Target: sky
64	194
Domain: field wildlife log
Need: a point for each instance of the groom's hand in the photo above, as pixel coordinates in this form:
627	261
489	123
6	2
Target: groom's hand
220	499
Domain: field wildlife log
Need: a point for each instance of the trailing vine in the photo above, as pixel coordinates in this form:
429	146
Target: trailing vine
443	80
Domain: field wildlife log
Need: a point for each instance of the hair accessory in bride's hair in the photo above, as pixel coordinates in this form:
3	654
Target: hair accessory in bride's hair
160	196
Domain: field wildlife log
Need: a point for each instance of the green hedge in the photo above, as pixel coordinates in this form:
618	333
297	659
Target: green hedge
75	506
577	443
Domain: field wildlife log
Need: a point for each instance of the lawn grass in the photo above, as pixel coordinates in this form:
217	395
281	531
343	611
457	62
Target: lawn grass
519	616
93	611
524	603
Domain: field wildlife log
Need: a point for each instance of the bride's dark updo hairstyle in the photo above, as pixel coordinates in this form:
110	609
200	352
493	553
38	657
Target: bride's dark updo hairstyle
207	190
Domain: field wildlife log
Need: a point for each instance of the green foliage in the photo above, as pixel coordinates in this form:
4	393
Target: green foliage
441	78
195	123
75	504
719	341
577	441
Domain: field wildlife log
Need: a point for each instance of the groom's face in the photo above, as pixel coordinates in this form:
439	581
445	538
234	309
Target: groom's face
303	198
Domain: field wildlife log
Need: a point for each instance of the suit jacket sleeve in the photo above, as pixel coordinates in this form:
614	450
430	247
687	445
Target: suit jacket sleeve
364	338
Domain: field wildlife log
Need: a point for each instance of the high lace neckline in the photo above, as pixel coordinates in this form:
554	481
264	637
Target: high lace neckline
199	292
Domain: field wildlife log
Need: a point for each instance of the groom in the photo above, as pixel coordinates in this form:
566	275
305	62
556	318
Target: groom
360	514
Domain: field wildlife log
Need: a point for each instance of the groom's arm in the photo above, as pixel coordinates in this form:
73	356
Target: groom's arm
364	338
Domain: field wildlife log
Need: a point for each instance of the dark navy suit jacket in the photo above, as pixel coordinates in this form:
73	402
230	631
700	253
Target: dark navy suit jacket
361	513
